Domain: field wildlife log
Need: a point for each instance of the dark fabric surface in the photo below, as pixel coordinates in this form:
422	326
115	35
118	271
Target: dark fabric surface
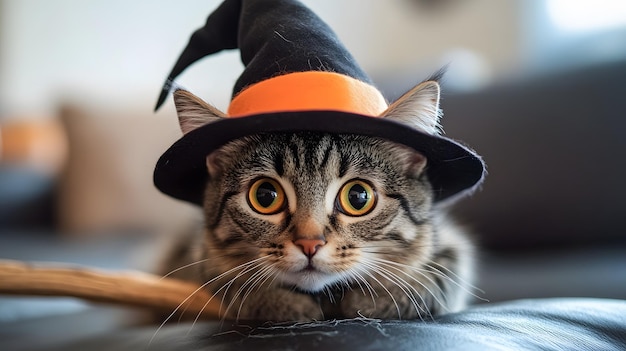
550	324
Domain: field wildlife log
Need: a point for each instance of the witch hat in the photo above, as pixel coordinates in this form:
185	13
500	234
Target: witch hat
297	77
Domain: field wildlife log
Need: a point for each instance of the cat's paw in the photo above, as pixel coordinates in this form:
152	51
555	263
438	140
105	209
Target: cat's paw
356	304
385	305
280	305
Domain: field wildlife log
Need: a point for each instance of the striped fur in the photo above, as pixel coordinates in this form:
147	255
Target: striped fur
402	260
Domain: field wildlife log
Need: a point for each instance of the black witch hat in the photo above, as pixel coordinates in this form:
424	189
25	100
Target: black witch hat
297	77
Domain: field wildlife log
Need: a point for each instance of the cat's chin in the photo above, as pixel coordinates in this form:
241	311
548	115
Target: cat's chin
309	280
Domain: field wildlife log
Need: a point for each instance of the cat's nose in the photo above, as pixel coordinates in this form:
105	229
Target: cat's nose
309	246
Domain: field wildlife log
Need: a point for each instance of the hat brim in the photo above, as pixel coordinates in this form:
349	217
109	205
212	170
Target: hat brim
181	171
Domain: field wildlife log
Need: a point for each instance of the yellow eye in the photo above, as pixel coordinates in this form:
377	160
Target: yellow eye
266	196
356	198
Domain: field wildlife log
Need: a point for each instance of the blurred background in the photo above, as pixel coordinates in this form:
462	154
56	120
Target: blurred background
537	87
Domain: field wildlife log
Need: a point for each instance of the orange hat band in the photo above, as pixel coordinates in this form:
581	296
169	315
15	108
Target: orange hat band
307	91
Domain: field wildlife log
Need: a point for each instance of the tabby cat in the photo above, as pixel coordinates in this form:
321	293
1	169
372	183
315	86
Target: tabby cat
309	226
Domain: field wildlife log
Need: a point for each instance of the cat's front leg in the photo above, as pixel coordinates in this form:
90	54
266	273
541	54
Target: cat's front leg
275	304
393	298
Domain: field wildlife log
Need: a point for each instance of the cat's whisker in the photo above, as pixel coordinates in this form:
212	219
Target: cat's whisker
276	274
212	297
404	286
462	283
418	307
228	284
369	286
393	265
343	283
247	285
377	246
348	277
246	288
193	264
358	282
373	294
241	266
262	278
330	294
271	273
184	267
358	277
374	268
397	266
183	302
459	278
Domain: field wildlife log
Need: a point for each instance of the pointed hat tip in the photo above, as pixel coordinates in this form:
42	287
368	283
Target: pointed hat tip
165	90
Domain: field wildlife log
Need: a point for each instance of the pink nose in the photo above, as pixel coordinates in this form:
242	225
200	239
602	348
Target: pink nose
309	246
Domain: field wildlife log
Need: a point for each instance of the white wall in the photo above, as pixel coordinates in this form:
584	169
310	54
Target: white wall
110	49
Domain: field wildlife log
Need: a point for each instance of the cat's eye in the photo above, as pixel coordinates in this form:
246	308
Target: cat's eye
356	198
266	196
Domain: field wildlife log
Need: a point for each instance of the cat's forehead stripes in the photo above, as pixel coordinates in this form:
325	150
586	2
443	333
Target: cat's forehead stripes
305	154
310	153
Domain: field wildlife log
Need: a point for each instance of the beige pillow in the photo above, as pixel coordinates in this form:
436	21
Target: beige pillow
107	182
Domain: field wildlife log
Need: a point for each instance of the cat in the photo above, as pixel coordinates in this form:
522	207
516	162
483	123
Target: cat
309	226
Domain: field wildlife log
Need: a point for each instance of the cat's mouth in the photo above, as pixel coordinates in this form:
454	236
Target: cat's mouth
309	268
309	278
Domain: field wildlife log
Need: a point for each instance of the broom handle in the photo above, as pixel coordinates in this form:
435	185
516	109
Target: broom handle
128	288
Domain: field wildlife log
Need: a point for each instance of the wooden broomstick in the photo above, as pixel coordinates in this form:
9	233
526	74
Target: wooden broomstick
138	289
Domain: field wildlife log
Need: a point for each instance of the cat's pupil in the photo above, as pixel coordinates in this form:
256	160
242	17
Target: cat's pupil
266	194
358	196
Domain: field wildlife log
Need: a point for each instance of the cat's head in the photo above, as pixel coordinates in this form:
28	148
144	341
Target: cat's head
319	209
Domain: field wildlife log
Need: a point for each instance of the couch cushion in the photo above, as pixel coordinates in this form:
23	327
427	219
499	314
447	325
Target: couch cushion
554	147
107	182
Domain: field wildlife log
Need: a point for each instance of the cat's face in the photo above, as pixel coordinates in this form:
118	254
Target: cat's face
317	209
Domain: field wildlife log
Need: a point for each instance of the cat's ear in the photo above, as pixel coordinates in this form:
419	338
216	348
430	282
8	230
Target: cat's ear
418	108
415	164
193	112
215	163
